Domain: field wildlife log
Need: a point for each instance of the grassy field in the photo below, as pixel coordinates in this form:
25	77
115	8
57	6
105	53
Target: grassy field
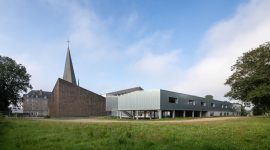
243	133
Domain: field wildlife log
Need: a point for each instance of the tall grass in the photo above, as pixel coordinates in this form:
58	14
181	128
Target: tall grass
248	133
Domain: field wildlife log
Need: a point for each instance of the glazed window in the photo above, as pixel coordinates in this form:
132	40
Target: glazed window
203	104
173	100
191	102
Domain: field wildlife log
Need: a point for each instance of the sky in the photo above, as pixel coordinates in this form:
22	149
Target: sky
187	46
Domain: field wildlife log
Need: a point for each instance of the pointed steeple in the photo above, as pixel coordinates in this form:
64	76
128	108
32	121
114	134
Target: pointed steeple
69	74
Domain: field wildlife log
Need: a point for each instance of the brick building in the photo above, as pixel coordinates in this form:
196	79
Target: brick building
35	103
70	100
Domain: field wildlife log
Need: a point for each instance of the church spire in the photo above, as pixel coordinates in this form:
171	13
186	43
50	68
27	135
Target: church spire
69	74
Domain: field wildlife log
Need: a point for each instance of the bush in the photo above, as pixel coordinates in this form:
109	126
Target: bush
46	117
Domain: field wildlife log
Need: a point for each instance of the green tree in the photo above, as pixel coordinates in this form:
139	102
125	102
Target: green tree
13	81
250	81
209	97
243	111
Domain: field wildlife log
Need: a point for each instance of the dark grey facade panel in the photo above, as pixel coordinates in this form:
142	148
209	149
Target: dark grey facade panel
183	102
165	100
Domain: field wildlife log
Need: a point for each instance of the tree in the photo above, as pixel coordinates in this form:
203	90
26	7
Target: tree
243	111
13	81
209	97
250	81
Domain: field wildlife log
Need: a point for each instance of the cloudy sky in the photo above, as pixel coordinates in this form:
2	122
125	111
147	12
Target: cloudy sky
185	46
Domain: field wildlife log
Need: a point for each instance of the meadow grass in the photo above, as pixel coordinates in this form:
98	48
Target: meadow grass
243	133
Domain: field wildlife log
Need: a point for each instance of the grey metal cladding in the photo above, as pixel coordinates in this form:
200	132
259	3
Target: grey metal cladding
140	100
183	102
111	103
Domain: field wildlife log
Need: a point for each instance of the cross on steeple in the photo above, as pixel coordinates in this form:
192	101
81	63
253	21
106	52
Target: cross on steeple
68	41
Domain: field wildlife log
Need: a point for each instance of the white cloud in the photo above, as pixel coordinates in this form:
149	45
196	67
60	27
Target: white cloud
131	20
154	63
157	41
157	63
221	46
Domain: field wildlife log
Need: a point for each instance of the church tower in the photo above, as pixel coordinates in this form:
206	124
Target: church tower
70	100
69	74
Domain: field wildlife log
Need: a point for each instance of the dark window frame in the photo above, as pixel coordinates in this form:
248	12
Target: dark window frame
191	102
203	104
173	100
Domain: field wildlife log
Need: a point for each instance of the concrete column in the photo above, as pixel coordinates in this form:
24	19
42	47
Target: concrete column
159	114
133	114
144	114
154	114
192	114
173	114
200	114
150	114
120	115
184	114
137	115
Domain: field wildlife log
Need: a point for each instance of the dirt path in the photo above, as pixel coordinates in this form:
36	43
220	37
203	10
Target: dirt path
199	120
97	120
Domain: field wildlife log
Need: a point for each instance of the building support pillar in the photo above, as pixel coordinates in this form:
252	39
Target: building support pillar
150	114
173	114
137	114
184	114
159	114
193	114
133	114
120	115
144	114
200	114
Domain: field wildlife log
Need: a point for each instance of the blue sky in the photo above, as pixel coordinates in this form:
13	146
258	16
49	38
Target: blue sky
180	45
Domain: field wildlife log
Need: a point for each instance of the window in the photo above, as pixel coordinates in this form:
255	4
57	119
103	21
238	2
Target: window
226	106
191	102
173	100
222	106
213	105
203	104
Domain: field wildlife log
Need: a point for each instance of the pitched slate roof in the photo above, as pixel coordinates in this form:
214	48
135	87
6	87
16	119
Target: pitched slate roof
38	93
125	91
69	74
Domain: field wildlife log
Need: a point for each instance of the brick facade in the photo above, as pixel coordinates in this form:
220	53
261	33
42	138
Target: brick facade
70	100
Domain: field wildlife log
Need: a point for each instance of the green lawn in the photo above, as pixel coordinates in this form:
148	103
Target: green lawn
243	133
